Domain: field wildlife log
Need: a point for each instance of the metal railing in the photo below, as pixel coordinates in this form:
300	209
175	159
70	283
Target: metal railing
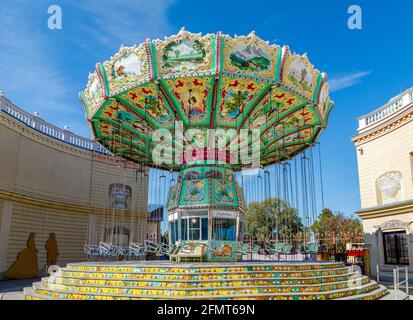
48	129
397	284
394	106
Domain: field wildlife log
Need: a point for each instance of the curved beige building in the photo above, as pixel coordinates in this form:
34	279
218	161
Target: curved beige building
384	147
54	181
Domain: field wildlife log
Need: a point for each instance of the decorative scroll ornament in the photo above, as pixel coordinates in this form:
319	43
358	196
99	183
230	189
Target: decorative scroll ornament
389	184
393	224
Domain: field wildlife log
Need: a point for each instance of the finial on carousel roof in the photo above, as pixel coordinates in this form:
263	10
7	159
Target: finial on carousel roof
252	34
66	128
182	31
36	114
1	93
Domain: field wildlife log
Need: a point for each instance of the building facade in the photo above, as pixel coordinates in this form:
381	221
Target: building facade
384	147
53	181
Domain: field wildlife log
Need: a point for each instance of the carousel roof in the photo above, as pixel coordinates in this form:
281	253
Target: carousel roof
207	82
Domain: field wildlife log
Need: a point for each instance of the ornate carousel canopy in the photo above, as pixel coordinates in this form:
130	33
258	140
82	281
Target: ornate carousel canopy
206	82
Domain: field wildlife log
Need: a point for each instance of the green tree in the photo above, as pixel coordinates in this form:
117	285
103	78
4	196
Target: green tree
336	229
273	218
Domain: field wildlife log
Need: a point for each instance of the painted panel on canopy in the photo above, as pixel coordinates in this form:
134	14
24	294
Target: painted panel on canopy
279	122
194	192
303	136
324	102
300	75
192	97
284	153
120	113
149	101
224	193
129	68
184	54
276	104
94	94
240	195
173	196
235	98
250	56
305	116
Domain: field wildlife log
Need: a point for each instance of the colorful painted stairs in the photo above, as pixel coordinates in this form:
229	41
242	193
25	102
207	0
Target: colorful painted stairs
233	281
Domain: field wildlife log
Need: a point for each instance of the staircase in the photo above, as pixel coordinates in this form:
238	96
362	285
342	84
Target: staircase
236	281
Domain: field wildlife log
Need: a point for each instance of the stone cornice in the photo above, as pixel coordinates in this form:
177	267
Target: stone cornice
387	210
385	128
44	203
39	137
24	130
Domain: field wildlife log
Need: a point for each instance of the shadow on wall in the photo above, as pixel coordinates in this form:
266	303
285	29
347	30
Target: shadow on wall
26	264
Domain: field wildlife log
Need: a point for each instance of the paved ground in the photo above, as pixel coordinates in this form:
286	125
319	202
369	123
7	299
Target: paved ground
16	285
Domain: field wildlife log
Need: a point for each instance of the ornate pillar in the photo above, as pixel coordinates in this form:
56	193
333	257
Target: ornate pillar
4	233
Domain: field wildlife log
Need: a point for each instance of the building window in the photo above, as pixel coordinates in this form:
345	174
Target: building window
395	248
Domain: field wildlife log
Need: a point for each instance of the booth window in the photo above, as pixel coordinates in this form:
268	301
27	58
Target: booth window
174	231
184	233
194	229
204	226
396	248
224	229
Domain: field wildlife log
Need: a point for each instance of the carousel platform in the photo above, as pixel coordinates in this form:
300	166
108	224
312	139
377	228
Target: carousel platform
146	280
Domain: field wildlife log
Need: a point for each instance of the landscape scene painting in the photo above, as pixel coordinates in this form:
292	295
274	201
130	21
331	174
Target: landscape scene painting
249	58
186	52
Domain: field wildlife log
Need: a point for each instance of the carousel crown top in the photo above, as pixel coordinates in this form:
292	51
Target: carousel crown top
203	82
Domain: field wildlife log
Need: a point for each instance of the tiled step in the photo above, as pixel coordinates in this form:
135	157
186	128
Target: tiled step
211	290
42	291
381	293
59	279
203	275
201	268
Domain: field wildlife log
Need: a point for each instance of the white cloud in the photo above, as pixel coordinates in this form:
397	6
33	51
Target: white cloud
129	22
346	81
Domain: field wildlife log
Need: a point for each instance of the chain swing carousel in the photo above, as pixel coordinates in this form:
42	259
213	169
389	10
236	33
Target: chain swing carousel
231	105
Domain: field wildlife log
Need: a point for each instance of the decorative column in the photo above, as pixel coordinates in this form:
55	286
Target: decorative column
4	233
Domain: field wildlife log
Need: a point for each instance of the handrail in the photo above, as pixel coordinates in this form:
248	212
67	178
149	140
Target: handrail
397	282
396	278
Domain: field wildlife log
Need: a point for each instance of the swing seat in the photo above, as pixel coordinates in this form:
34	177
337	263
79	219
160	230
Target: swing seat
311	248
242	248
151	247
136	249
108	249
91	250
124	251
163	249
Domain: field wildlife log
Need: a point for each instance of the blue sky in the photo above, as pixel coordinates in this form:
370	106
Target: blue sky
43	70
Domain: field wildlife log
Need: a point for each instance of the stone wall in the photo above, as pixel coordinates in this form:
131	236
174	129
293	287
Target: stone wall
47	185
